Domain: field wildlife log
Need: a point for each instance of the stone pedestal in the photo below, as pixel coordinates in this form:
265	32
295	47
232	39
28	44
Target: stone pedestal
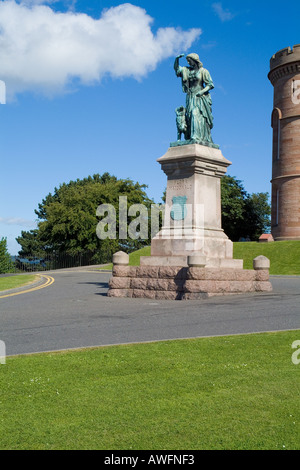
192	221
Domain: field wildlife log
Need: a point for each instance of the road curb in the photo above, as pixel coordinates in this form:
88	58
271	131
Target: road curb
43	281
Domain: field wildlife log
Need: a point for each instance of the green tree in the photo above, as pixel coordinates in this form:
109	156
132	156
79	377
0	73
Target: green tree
232	206
243	215
5	259
67	218
257	215
31	243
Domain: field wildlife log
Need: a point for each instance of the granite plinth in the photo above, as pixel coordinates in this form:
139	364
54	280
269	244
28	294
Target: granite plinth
185	283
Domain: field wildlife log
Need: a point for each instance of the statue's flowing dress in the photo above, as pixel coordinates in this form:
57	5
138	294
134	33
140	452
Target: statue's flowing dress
198	109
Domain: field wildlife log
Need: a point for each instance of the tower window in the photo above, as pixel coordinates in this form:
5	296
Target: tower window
277	206
276	124
278	139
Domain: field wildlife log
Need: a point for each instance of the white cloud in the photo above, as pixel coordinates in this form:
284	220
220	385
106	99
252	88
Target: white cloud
35	2
223	14
17	221
43	50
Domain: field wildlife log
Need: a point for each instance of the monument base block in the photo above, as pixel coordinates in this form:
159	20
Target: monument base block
185	282
211	243
183	261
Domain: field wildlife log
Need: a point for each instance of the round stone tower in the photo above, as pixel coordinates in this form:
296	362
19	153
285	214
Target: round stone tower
285	77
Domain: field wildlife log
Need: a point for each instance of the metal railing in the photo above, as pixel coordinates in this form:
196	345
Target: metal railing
52	261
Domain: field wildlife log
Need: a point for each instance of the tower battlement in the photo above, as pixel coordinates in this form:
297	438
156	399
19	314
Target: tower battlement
285	56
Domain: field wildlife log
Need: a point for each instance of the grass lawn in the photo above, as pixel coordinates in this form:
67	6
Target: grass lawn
284	256
134	258
11	282
235	392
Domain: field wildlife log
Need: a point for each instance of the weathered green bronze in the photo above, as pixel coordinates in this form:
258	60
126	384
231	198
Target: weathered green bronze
178	209
195	120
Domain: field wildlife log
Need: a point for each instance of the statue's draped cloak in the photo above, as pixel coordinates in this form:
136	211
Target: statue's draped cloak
198	109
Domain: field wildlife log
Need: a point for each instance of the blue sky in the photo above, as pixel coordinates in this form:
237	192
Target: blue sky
91	88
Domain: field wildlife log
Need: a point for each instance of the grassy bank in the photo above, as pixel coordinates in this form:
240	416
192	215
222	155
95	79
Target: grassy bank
238	392
12	282
284	256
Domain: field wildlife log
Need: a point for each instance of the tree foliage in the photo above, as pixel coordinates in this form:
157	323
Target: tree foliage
31	243
243	215
68	220
5	259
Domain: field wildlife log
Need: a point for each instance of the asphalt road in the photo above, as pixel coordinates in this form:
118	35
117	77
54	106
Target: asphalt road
75	312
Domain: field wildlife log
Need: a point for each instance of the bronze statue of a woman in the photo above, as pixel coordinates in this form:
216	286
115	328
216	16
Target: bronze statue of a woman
196	83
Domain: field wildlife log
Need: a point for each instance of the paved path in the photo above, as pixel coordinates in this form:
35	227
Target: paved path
75	312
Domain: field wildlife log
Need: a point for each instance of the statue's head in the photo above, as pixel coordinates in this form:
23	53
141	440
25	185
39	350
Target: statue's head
193	59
